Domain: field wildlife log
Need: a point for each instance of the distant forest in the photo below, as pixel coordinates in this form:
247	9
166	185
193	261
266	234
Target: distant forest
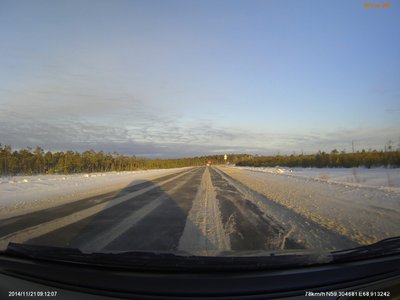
335	159
36	161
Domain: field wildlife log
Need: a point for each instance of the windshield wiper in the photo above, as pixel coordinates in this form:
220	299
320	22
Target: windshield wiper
223	261
175	261
389	246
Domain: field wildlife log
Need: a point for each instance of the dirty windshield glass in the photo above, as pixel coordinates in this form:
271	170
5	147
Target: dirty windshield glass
199	127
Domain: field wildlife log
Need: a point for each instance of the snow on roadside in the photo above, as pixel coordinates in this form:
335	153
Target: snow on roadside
378	177
24	194
365	214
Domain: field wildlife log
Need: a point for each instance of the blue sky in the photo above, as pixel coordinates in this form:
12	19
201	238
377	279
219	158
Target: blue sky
183	78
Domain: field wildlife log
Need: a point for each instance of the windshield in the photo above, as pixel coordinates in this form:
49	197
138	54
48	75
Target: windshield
205	128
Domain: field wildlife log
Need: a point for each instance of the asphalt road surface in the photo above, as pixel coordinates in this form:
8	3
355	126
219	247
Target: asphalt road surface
201	211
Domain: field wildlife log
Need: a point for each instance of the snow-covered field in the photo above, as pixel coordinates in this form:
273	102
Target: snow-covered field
360	206
23	194
379	177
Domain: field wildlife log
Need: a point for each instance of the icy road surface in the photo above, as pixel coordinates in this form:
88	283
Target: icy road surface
202	210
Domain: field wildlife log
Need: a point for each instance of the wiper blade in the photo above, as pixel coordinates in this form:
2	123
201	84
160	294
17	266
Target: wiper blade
222	261
76	256
176	261
384	247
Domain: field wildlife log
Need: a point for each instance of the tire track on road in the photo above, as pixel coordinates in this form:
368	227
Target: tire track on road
106	237
35	231
162	228
17	223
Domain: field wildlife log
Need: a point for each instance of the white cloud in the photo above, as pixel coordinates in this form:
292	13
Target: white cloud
152	135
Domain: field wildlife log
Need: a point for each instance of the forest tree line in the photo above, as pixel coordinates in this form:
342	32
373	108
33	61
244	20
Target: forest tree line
30	161
335	159
36	161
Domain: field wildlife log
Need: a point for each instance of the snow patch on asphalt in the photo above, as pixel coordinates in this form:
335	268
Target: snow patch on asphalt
204	232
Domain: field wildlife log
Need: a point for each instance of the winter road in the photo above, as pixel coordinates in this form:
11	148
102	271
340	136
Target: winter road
201	210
